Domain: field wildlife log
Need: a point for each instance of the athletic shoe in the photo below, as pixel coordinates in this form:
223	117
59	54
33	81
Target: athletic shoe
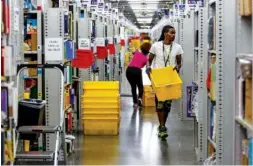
162	132
164	128
140	102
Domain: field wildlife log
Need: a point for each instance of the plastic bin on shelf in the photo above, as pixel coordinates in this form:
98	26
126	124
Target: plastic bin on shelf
122	42
84	59
166	83
102	52
101	126
30	113
111	48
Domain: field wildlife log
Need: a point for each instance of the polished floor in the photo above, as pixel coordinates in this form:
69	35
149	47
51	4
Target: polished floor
137	143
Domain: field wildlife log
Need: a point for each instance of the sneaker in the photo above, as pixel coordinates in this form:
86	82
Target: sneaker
160	128
140	102
162	132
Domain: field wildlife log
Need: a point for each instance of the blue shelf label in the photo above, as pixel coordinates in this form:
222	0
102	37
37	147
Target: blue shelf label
39	71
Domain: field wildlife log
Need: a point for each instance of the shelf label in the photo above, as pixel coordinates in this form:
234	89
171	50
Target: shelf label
84	43
39	95
16	19
39	71
100	41
100	7
110	40
54	49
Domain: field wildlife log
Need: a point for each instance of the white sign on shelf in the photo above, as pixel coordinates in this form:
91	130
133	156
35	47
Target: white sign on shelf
16	19
100	7
54	49
106	9
110	40
100	41
84	43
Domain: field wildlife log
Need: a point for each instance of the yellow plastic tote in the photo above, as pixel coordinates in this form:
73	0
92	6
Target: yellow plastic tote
166	83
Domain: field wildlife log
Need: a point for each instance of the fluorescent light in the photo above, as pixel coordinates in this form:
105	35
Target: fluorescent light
145	7
144	19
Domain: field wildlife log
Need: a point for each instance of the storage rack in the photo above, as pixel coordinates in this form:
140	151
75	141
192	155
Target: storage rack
54	29
242	120
232	42
11	39
36	53
211	52
188	60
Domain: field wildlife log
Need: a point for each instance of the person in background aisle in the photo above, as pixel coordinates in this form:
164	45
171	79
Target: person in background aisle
134	72
164	53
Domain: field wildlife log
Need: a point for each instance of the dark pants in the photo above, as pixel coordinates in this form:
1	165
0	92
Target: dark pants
134	77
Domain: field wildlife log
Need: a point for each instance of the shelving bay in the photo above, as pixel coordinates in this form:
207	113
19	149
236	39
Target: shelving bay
226	44
243	58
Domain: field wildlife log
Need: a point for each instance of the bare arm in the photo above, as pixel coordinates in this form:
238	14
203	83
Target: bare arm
179	61
150	59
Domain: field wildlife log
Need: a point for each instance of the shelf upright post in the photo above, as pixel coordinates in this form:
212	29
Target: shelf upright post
110	41
202	90
16	36
54	35
181	31
100	37
188	59
116	37
225	80
84	33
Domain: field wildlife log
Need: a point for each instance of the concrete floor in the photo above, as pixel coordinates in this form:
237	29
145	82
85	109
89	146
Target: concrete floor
137	143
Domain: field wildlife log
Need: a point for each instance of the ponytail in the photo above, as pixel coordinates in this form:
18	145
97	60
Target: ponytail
166	29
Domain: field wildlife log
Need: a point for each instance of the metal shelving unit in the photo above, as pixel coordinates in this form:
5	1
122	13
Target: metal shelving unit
242	127
225	80
188	59
54	30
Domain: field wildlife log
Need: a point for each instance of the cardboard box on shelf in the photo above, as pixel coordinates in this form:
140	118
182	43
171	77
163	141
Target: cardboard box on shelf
34	42
245	7
248	100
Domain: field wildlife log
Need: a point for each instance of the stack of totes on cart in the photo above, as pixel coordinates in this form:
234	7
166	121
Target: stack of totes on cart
148	99
101	107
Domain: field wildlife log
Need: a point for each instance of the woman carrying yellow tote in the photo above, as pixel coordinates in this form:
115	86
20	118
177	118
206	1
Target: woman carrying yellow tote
164	53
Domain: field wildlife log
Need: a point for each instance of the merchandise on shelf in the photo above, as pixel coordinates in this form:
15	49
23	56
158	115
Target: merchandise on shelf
245	150
245	7
248	100
30	4
191	92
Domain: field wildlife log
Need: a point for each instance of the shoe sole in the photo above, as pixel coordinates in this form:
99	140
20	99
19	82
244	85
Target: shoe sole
163	136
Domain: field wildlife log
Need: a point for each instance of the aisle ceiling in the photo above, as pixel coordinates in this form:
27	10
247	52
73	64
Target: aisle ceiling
144	13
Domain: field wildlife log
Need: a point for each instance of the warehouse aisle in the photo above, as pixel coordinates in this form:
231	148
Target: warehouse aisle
137	142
